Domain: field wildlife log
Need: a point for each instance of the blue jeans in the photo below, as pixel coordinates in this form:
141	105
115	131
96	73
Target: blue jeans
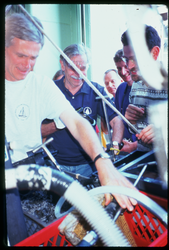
84	169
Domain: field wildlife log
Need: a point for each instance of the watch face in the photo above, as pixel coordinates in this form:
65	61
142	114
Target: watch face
115	143
105	155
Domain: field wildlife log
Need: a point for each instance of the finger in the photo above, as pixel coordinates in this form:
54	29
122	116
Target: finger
130	117
107	199
148	139
133	201
125	202
135	108
146	136
136	111
133	115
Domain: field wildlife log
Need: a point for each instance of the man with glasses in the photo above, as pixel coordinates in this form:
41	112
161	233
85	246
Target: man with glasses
70	155
122	99
141	94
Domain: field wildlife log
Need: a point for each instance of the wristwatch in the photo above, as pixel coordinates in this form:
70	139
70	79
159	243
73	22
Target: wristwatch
115	143
102	155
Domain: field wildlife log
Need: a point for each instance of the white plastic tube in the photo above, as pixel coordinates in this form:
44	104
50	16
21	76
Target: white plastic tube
143	199
95	214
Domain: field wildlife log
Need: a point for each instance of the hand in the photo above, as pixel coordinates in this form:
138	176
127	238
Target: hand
116	152
146	135
129	146
133	113
110	176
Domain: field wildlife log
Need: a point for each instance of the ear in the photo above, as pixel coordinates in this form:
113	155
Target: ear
155	52
62	65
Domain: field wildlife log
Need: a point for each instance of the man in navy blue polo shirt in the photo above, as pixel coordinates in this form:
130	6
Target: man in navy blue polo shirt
70	155
122	99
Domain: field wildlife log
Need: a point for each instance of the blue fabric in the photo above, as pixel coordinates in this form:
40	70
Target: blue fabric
122	96
84	169
70	153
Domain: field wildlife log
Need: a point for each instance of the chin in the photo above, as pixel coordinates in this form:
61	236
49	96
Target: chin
135	78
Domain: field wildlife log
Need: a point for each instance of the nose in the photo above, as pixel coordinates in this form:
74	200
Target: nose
76	73
109	84
123	71
131	64
27	63
112	84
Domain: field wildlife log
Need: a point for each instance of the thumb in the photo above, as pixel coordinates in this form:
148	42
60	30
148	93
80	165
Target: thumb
108	199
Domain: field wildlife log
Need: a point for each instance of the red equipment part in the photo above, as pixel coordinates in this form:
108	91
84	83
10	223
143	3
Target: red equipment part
146	229
48	236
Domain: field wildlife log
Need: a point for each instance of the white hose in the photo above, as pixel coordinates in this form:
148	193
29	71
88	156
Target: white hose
95	214
143	199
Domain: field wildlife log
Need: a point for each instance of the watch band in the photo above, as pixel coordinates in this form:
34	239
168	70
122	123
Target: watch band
105	155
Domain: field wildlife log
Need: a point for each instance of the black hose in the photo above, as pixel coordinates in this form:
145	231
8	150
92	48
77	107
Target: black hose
60	182
34	177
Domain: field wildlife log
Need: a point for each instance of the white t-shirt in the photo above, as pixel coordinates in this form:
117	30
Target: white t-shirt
27	103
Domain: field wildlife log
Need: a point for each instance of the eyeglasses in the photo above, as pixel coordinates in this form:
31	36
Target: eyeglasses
78	64
131	59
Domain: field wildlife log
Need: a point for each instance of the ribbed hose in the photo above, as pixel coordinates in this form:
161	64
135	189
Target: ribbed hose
36	177
95	214
152	206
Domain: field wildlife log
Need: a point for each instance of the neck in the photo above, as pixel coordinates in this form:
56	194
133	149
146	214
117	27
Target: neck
130	83
72	88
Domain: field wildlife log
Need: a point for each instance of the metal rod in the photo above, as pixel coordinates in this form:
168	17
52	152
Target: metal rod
107	122
83	23
43	145
80	72
135	183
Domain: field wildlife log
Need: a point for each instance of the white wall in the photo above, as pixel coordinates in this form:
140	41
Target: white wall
108	22
48	60
107	25
61	25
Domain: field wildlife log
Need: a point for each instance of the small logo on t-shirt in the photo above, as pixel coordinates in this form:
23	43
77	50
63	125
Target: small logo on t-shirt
22	112
87	110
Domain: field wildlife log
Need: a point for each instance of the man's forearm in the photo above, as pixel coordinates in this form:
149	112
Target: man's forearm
118	129
83	132
47	129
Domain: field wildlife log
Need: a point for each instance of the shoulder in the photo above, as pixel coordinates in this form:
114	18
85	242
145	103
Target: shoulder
38	78
96	85
59	83
121	88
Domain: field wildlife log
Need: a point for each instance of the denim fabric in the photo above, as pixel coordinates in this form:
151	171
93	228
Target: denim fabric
84	169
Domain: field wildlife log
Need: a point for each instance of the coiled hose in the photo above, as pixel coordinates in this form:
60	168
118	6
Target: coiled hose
35	177
96	216
152	206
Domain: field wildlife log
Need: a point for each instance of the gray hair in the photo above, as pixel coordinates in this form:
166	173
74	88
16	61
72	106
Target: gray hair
76	49
19	26
109	70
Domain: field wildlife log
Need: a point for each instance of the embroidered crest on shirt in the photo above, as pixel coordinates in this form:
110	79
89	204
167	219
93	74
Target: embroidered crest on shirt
22	112
87	110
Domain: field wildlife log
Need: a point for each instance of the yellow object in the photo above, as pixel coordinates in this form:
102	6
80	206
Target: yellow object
115	149
103	140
